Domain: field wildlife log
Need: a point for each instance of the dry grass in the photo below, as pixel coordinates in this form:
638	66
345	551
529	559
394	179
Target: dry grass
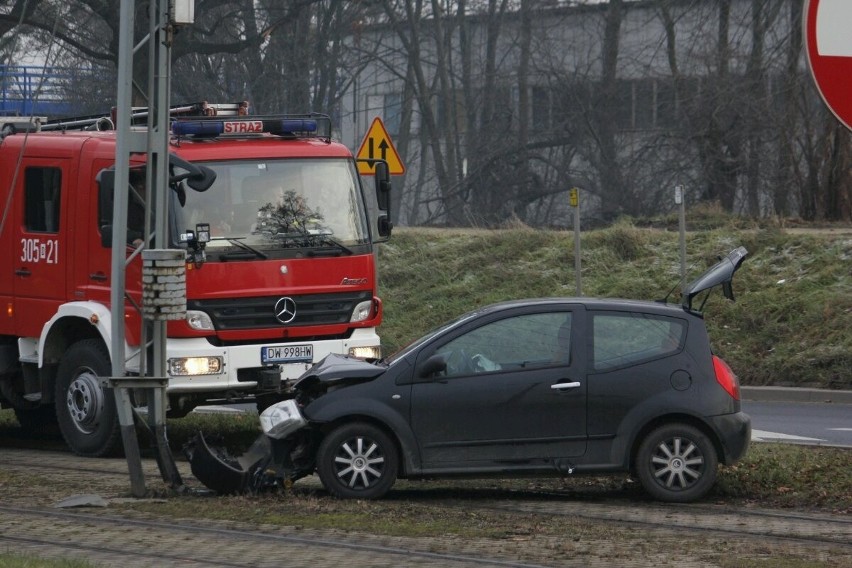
790	326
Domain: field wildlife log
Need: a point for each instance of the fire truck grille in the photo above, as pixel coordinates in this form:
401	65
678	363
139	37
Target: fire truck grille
252	313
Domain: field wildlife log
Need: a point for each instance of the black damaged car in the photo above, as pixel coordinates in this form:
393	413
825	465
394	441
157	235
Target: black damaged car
560	386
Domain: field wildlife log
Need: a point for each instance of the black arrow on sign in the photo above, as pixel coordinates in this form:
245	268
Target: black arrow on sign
383	147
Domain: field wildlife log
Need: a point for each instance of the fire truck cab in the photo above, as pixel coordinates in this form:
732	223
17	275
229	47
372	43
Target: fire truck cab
287	275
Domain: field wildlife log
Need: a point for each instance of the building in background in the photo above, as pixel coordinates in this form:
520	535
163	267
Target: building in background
497	115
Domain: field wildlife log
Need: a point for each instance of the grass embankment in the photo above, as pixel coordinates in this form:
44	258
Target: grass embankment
790	326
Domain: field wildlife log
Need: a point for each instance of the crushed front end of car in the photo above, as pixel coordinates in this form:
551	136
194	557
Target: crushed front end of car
285	451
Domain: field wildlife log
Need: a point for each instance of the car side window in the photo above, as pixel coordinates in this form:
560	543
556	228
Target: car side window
518	342
622	338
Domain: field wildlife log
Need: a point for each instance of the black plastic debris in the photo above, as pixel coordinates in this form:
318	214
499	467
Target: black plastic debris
218	470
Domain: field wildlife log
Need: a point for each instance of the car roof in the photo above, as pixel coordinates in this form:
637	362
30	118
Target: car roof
590	303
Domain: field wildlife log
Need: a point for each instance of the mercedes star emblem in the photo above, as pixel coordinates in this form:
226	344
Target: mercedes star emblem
285	310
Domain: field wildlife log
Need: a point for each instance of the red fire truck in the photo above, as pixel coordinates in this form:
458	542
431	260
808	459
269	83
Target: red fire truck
287	274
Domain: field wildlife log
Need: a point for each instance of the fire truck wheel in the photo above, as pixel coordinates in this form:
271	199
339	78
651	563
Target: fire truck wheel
85	410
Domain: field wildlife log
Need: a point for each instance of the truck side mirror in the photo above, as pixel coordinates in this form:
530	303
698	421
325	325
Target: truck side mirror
106	183
383	185
198	177
383	197
385	226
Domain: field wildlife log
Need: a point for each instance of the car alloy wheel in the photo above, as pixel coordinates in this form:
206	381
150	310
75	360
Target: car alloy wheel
357	461
677	463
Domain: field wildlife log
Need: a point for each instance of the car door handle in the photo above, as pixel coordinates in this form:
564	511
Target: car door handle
23	272
99	277
565	386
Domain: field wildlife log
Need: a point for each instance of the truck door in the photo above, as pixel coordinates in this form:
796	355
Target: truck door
94	284
40	243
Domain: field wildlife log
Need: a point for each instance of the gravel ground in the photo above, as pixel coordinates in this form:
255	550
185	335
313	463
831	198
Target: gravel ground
547	529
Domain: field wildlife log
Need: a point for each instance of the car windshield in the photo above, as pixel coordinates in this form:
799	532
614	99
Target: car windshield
280	205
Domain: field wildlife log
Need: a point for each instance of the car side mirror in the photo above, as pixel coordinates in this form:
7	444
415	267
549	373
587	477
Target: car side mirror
432	366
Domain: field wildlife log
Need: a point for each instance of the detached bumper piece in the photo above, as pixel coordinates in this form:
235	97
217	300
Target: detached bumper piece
213	466
267	463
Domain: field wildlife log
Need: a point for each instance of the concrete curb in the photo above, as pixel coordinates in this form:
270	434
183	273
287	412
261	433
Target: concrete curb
787	394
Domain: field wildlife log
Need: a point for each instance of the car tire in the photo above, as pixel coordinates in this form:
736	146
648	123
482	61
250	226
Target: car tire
357	461
85	410
677	463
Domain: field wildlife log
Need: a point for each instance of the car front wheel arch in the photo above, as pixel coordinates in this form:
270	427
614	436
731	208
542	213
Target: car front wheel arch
401	441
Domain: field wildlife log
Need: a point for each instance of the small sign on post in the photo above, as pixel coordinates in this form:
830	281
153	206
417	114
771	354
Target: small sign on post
574	200
681	203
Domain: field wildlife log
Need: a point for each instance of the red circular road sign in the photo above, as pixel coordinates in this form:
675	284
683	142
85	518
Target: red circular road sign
828	44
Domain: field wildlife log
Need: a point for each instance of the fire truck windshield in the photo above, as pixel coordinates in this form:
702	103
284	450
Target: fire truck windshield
280	205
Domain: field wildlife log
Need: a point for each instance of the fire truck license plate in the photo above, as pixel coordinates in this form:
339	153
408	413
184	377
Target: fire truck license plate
287	354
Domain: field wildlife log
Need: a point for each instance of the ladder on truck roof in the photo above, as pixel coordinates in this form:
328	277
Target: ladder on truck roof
139	116
12	124
210	120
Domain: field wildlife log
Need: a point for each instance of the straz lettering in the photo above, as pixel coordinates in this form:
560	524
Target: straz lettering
243	127
38	250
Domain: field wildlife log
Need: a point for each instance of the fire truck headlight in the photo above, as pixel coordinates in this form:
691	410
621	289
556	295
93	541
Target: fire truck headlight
368	352
362	311
199	321
187	366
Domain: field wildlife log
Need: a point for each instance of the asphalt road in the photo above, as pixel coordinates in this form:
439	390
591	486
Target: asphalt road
798	415
801	422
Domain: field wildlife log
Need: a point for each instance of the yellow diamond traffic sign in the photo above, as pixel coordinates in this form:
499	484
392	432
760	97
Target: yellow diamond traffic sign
378	145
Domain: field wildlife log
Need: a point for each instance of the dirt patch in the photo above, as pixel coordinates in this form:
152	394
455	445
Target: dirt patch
539	524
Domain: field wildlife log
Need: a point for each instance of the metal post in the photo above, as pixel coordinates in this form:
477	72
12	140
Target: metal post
681	202
574	196
124	145
155	143
158	171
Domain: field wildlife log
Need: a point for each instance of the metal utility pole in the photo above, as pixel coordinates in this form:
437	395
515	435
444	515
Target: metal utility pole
153	141
574	197
680	201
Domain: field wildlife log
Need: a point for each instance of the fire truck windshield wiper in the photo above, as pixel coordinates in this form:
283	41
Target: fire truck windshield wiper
328	241
313	240
235	241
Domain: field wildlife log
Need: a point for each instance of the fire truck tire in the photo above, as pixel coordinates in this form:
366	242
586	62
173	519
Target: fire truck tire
85	410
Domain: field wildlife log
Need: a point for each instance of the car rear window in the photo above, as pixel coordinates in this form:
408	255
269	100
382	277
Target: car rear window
626	338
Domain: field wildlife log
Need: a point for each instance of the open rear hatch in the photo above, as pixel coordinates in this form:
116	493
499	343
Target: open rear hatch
720	274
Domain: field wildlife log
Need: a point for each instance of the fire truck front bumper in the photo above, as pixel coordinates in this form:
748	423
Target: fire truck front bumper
196	366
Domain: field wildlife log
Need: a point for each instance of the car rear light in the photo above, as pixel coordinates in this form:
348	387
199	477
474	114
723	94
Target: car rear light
726	377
